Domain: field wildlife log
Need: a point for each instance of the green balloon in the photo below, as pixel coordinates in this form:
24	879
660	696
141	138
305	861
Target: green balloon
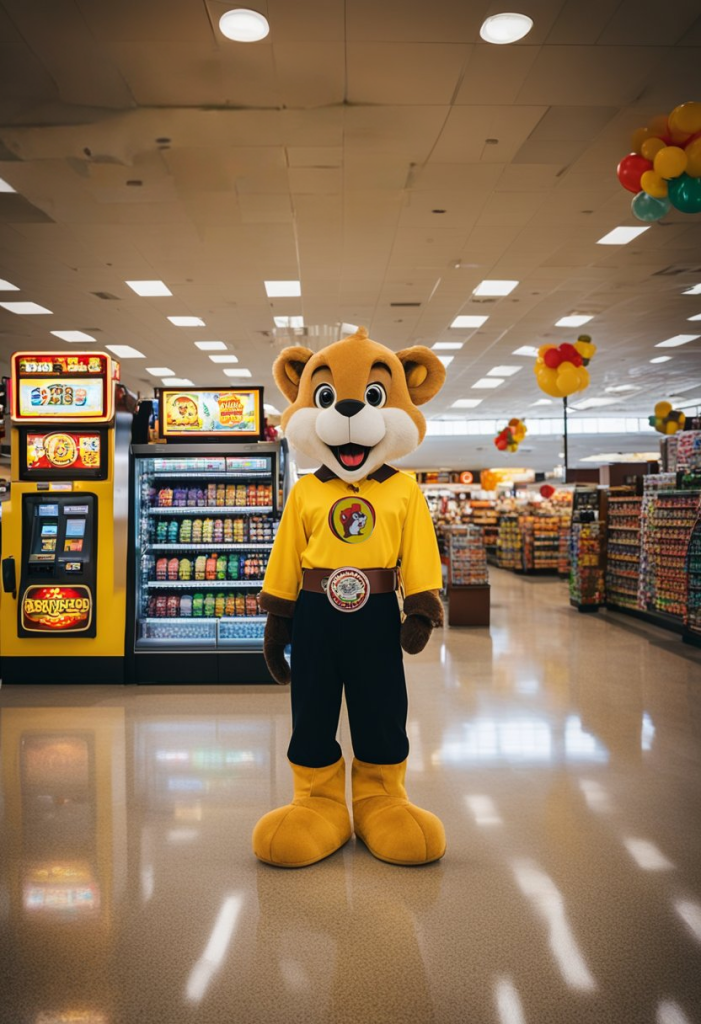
648	208
685	193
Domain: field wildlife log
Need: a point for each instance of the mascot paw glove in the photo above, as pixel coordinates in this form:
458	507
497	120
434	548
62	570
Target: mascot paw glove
278	634
424	612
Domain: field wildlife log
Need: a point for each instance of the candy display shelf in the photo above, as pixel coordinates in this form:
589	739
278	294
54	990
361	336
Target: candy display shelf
692	624
541	542
587	548
671	515
623	548
468	580
510	543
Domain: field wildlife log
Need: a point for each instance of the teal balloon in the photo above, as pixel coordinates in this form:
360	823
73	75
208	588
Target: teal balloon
685	193
651	420
648	208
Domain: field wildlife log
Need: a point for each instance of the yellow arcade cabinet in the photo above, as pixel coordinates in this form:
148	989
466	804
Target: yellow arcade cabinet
64	536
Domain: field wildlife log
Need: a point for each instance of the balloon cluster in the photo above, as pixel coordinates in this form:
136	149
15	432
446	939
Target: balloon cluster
561	369
511	436
488	480
666	419
664	169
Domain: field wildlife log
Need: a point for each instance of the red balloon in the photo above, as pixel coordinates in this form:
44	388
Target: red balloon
570	354
552	358
547	491
501	442
630	171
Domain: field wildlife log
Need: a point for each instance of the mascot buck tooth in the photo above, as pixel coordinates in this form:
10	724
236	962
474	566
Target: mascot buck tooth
330	589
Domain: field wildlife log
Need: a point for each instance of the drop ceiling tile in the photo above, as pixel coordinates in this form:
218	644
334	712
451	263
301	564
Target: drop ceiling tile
463	138
315	156
409	131
404	73
578	23
306	20
314	180
310	74
574	75
413	21
496	72
632	25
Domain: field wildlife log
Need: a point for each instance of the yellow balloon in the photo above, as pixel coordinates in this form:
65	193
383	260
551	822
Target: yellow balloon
583	374
651	147
663	409
543	349
654	185
693	156
567	378
670	162
586	349
658	125
547	382
638	138
686	118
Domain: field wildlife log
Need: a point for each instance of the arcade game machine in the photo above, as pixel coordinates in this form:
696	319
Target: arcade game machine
64	537
205	503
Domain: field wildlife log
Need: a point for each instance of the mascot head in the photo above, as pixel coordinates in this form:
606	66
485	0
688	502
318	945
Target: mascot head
354	403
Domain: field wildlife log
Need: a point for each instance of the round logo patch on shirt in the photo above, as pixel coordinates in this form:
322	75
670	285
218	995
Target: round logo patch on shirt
352	519
348	589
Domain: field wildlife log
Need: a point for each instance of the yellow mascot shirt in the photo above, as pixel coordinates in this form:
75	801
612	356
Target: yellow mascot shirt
328	523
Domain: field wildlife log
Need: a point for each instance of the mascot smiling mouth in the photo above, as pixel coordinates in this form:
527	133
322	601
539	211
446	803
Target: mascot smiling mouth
351	456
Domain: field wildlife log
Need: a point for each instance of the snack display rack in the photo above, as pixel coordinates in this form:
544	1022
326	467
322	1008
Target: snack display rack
587	548
468	580
563	548
541	542
623	548
670	519
651	485
484	514
692	630
510	543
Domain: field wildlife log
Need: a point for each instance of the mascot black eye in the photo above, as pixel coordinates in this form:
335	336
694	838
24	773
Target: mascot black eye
375	395
324	396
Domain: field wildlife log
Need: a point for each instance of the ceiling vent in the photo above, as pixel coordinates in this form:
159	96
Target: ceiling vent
404	305
108	296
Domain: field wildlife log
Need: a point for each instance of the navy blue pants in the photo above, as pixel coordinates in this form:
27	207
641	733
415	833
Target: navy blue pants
359	651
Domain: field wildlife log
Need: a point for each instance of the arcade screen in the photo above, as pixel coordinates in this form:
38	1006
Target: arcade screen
226	414
63	453
54	386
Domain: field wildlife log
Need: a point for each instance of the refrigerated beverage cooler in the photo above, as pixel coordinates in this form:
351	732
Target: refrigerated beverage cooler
204	520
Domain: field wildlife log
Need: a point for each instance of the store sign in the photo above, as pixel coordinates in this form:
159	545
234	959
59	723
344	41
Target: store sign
211	412
82	363
57	609
466	477
63	450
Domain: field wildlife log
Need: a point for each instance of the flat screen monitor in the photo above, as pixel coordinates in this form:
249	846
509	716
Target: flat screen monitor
211	414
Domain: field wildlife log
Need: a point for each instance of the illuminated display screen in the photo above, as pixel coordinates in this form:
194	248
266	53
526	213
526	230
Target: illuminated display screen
63	450
70	386
212	413
70	397
75	528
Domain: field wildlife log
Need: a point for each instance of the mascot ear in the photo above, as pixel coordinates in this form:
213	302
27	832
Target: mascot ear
424	372
287	370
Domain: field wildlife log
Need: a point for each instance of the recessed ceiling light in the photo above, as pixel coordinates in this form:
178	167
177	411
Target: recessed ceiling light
224	359
237	373
488	382
244	26
594	403
505	28
543	401
446	360
575	320
177	382
661	359
5	286
160	371
467	403
621	387
694	290
146	288
5	186
72	335
271	409
503	371
289	321
282	289
125	352
24	308
621	236
525	350
187	321
211	346
469	321
677	340
447	346
495	287
697	317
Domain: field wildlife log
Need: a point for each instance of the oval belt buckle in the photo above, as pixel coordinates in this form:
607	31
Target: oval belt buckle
348	589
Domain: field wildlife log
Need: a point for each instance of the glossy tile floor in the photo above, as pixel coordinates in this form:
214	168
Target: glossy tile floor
563	752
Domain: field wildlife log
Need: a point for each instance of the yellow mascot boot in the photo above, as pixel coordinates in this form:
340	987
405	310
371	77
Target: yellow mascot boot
393	829
313	826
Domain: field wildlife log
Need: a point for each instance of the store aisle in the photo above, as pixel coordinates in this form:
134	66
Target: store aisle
563	752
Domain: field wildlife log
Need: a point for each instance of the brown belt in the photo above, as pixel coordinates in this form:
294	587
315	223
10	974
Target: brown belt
382	581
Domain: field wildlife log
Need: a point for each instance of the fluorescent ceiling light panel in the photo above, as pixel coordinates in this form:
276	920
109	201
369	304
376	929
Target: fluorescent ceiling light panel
502	29
503	371
594	403
488	382
348	329
697	317
237	373
187	321
661	359
24	308
621	236
5	186
469	321
282	289
446	360
621	387
5	286
211	346
160	371
271	409
177	382
289	321
125	352
543	401
147	288
72	335
495	287
467	403
575	320
224	359
525	350
447	346
694	290
677	340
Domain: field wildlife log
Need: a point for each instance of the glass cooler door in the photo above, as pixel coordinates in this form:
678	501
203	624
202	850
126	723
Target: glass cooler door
204	527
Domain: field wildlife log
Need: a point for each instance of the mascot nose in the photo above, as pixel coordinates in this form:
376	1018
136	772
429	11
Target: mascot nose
349	407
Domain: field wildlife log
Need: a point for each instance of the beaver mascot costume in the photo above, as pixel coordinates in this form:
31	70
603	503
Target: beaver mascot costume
351	535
